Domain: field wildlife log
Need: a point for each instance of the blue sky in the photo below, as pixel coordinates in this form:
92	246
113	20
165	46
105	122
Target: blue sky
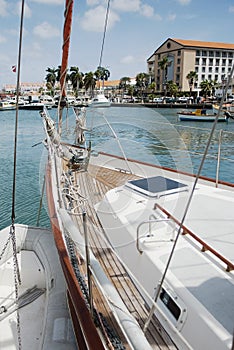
135	29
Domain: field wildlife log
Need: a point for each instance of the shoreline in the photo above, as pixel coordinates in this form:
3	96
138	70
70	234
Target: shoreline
165	105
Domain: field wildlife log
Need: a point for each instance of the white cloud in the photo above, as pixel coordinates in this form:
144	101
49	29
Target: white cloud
127	5
2	39
94	19
184	2
231	9
3	8
147	11
45	30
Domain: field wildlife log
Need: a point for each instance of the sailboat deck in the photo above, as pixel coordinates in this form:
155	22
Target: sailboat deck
97	181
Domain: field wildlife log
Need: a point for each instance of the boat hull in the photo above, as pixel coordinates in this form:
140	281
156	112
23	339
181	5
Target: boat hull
200	118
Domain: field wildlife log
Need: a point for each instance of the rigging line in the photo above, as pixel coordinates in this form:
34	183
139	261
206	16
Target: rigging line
189	200
104	34
17	113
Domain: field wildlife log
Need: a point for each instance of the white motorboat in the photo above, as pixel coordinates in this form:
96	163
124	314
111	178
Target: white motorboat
100	100
7	105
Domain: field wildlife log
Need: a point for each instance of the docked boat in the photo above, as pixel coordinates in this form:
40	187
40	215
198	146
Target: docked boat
33	311
200	115
100	100
6	105
146	251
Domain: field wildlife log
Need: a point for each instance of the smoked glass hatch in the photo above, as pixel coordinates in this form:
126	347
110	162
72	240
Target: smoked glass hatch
156	186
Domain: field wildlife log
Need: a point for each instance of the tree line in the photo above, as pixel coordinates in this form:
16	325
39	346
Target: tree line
144	83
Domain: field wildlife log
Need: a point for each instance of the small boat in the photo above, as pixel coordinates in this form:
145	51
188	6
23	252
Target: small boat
6	105
33	314
200	115
100	100
146	251
47	101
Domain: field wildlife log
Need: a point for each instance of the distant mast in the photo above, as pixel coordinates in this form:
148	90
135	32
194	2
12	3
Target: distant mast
66	45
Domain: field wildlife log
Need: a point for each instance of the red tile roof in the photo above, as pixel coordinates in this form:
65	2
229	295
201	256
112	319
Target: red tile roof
205	44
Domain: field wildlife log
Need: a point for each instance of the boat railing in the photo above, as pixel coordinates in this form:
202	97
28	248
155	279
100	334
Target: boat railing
204	246
152	220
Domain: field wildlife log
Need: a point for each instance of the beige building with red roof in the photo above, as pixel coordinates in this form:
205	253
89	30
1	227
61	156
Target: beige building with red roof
210	60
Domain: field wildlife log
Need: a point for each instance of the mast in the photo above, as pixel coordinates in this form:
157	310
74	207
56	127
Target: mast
65	52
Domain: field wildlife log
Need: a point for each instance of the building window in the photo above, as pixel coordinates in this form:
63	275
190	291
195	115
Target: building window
210	61
230	54
196	69
203	69
216	69
223	62
210	69
209	76
217	62
203	76
216	77
211	53
178	70
177	77
197	52
224	54
204	61
230	62
178	60
197	61
159	56
223	69
179	53
217	53
204	53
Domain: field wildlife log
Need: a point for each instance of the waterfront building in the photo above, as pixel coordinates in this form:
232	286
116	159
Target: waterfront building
210	60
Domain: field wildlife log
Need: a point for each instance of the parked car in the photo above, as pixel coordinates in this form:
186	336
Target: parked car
184	99
170	99
158	100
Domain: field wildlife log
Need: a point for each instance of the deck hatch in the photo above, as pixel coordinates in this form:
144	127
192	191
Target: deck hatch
156	186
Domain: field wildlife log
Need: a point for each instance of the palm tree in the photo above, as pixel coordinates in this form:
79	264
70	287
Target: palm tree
206	87
51	78
102	74
142	81
172	88
163	64
192	77
89	82
124	83
76	78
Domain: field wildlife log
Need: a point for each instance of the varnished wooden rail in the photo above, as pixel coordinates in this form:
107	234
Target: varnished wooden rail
205	246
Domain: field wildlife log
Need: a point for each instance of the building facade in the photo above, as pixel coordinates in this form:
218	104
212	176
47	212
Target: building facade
210	60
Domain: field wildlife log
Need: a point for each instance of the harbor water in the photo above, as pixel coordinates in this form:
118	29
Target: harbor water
146	134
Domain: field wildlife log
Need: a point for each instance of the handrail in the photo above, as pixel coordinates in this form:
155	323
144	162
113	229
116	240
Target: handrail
147	222
205	246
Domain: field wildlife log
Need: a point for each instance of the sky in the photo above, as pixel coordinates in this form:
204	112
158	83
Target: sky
136	28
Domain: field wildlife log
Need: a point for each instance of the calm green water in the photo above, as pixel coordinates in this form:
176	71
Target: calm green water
149	135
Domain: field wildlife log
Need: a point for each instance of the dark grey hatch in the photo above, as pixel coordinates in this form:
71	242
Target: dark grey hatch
156	186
